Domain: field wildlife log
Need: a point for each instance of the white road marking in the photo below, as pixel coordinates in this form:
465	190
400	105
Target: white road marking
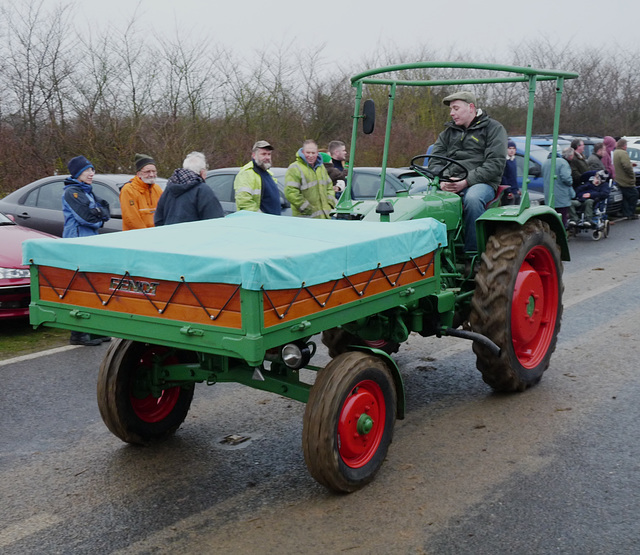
21	530
38	355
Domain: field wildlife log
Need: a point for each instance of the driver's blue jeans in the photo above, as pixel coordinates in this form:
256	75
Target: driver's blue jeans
475	200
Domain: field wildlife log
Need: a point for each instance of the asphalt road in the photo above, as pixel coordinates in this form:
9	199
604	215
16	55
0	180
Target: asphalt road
552	470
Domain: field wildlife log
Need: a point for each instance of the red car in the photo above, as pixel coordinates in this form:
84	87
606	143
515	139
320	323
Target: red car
15	294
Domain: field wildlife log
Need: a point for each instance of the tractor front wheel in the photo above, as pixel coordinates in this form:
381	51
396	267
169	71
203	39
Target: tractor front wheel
517	304
348	421
127	406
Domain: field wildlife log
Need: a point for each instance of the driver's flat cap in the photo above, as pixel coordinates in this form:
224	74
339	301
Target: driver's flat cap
466	96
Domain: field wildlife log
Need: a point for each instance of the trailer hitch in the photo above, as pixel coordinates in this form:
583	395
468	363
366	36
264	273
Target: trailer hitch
478	338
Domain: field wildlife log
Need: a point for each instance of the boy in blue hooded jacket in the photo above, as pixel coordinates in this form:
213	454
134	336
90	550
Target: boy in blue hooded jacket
84	212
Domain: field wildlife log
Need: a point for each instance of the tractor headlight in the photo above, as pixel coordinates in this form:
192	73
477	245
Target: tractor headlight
296	355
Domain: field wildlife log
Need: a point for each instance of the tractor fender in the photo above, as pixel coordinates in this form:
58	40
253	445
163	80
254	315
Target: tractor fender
494	218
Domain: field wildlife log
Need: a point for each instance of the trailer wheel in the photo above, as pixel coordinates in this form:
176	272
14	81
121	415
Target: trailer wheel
348	421
517	303
125	401
338	340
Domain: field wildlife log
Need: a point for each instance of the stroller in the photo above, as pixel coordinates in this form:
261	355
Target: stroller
588	213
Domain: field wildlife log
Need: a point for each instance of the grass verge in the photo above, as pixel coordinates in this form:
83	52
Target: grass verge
18	338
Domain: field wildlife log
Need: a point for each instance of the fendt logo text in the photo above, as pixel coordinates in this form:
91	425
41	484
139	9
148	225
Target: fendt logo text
133	286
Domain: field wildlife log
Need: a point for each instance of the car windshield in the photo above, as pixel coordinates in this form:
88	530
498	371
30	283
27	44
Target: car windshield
414	182
366	182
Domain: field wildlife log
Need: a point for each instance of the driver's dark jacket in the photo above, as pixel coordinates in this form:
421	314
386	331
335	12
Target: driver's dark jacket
481	148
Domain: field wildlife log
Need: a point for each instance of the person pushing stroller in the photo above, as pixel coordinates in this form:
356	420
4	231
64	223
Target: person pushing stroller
591	197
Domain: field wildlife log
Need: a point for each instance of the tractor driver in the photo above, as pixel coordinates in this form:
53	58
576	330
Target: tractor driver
479	143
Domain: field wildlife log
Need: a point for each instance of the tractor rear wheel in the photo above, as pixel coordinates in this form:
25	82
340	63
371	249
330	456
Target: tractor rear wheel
517	304
348	421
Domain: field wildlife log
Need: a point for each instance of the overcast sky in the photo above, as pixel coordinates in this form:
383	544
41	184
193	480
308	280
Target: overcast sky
350	30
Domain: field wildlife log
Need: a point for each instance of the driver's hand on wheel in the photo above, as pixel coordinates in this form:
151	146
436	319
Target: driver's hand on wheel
453	187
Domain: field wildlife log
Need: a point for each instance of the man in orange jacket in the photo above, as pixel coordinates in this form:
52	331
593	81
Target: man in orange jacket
139	197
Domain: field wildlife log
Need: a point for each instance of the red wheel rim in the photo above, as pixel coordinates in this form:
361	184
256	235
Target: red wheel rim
361	424
148	408
376	344
534	307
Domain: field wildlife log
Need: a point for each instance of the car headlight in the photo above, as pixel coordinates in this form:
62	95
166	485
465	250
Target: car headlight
14	273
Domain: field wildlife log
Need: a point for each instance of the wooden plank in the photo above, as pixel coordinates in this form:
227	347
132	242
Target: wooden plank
301	303
143	297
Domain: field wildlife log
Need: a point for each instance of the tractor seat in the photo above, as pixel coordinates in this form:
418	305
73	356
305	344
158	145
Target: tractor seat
496	200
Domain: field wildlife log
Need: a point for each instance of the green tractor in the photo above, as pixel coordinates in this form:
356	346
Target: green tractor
240	299
507	297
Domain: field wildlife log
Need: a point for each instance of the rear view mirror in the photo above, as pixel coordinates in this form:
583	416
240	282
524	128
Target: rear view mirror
535	171
368	117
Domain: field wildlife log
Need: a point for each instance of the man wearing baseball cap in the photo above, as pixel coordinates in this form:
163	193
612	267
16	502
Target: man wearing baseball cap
255	186
478	143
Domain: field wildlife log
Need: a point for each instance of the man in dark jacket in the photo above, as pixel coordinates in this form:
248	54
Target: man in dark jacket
579	163
187	198
336	168
510	175
479	143
595	160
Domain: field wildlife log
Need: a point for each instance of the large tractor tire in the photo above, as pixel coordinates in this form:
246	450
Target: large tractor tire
126	404
338	340
348	421
517	304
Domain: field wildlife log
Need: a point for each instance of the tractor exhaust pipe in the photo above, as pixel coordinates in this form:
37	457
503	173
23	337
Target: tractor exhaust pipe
478	338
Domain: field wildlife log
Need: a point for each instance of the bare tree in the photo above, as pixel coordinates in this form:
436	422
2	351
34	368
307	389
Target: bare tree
36	67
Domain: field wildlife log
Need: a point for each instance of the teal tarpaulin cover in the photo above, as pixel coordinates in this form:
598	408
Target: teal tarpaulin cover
251	249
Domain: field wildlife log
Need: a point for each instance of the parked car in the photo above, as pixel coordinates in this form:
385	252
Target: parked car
38	205
366	182
15	294
634	155
544	141
221	181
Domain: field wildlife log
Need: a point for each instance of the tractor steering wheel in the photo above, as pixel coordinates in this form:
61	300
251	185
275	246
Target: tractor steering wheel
440	175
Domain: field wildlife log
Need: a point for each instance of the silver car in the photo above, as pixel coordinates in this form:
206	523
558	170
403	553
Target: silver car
39	204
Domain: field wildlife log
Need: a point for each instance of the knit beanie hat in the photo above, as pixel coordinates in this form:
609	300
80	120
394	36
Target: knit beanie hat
77	165
511	144
143	160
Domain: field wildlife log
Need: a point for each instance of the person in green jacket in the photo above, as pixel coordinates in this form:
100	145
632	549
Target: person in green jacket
255	186
308	186
479	143
626	180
